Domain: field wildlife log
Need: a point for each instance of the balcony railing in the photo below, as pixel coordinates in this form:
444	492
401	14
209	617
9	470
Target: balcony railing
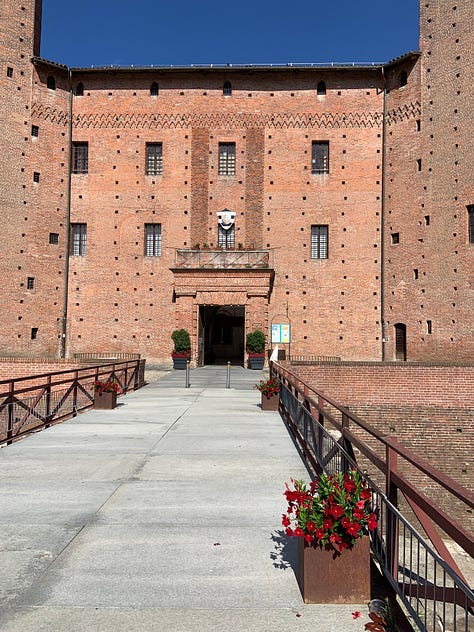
223	259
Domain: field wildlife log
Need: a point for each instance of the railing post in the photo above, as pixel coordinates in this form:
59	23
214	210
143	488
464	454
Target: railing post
187	383
10	413
74	394
48	400
227	381
392	522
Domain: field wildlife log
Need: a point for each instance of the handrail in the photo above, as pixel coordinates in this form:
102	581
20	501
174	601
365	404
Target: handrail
436	583
32	402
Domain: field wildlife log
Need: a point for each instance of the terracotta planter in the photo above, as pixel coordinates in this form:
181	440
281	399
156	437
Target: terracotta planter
323	578
105	401
270	403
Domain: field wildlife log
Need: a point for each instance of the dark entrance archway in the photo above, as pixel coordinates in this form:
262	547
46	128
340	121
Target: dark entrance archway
221	334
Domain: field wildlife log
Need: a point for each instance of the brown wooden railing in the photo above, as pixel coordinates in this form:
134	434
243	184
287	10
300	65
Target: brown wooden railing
34	402
421	569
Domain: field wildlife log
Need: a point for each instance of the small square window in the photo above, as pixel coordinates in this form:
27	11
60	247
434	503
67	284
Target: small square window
36	176
9	71
35	131
54	238
395	238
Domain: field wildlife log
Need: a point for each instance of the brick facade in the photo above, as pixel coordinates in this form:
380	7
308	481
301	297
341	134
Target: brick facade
116	298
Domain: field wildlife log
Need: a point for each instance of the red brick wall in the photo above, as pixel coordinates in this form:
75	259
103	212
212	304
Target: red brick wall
11	368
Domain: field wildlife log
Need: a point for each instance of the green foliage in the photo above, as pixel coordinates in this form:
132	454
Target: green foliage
255	342
181	339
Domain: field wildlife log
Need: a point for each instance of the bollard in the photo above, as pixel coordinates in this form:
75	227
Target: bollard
187	375
227	382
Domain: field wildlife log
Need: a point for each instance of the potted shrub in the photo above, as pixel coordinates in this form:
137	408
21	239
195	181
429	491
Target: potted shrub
182	348
255	346
105	394
332	518
270	390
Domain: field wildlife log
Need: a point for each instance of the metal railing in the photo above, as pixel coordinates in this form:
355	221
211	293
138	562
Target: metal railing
34	402
420	569
223	258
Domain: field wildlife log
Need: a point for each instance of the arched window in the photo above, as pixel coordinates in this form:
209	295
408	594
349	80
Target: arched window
227	89
321	89
400	341
403	78
51	82
154	90
80	89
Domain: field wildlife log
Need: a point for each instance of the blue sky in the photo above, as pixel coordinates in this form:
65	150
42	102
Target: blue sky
154	32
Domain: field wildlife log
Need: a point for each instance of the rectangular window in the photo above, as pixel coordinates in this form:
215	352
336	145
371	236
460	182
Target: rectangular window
9	72
78	240
227	159
30	283
36	176
35	131
226	238
80	157
54	238
154	159
319	242
470	219
152	240
320	157
395	237
34	333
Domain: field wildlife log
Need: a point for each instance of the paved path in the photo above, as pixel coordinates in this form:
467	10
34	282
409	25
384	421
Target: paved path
161	515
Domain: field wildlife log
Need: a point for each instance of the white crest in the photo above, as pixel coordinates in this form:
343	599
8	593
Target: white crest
226	218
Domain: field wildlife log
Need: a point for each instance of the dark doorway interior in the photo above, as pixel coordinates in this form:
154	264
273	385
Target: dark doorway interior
221	334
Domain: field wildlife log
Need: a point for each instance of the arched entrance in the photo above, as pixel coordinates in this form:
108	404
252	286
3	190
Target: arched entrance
221	334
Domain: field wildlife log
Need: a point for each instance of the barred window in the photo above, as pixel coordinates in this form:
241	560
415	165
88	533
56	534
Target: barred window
35	131
320	157
154	159
227	159
226	238
470	219
80	157
319	242
78	240
152	240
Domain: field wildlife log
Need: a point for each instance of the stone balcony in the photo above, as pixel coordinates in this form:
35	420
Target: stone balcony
223	259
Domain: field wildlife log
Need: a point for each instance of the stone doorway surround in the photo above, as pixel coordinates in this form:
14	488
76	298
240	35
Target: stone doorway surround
195	287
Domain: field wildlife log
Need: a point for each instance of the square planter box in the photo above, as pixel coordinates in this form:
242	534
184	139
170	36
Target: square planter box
105	401
270	403
256	362
180	363
325	578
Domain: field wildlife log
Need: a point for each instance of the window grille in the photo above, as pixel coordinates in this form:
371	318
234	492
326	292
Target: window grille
80	157
227	159
154	159
54	238
35	131
9	72
78	240
319	242
226	238
30	283
153	240
320	157
470	219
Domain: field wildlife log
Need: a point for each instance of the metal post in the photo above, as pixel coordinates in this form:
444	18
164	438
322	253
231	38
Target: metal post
227	382
187	375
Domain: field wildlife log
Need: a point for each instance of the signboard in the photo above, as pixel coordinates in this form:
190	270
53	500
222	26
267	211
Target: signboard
280	334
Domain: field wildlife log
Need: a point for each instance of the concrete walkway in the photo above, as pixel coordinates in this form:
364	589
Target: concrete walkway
161	515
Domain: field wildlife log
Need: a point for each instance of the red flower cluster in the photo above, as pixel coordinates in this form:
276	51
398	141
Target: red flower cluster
269	387
107	386
181	354
335	510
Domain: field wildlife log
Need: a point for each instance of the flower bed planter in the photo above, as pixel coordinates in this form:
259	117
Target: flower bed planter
256	361
270	403
324	576
180	363
105	401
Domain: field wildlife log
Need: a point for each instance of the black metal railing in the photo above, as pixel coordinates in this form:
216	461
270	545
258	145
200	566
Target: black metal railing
34	402
420	569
